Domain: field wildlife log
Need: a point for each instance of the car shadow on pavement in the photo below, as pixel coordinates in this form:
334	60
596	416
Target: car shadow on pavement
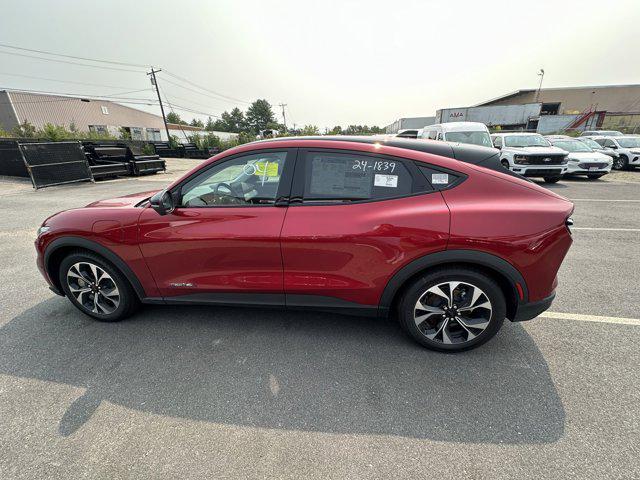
287	370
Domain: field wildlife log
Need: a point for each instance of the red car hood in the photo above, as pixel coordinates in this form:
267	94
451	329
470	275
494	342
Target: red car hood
125	201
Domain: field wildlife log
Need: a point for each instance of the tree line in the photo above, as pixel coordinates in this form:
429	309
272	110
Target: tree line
260	117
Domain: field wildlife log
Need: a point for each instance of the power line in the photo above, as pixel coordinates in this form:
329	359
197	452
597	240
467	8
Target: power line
199	93
72	56
206	89
71	63
61	81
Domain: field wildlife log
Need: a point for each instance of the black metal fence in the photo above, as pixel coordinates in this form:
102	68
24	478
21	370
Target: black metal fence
55	163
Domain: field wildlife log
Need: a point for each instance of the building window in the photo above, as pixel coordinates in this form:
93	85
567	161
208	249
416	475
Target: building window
136	133
153	134
101	129
105	110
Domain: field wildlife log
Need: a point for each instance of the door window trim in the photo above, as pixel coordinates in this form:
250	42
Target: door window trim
284	185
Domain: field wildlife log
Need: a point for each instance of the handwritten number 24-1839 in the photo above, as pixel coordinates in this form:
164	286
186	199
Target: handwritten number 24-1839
378	166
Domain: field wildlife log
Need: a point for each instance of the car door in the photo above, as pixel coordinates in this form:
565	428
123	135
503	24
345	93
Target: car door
355	218
222	241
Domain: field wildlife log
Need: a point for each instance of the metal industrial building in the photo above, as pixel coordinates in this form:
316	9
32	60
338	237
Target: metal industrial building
409	122
614	107
87	114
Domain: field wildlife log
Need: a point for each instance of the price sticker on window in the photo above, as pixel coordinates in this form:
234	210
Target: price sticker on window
385	181
440	178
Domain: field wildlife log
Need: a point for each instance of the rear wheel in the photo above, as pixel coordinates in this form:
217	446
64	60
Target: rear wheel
553	179
96	287
621	163
452	309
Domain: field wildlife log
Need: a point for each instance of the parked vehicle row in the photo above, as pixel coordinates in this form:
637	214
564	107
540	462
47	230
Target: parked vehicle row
551	157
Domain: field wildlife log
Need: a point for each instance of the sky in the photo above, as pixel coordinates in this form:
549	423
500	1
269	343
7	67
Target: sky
332	62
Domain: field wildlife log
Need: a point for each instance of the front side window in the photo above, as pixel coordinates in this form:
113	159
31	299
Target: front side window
243	181
346	177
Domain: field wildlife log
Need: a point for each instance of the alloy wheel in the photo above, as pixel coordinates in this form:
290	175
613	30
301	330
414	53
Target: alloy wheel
618	163
93	288
452	312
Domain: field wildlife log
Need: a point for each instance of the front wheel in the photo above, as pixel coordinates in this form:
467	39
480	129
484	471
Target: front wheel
452	309
505	164
96	288
553	179
621	163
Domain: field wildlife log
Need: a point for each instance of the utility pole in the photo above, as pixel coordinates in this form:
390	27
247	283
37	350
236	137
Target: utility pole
154	82
284	117
541	75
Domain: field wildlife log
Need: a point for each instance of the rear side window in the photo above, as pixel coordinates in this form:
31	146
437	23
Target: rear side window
352	177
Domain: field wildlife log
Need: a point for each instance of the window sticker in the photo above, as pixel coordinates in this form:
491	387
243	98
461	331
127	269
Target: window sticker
266	169
440	178
385	181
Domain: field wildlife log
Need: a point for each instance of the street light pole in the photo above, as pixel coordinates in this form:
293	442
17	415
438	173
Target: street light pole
154	82
541	75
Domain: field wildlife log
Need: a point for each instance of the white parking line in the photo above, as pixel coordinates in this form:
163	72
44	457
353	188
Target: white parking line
597	229
601	200
591	318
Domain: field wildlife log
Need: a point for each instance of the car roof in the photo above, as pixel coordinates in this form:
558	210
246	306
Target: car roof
486	157
514	134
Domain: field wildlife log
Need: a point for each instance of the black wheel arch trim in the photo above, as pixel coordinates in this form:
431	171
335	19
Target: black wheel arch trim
97	248
444	257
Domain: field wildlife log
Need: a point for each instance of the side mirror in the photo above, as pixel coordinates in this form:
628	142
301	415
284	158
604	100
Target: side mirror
162	202
613	146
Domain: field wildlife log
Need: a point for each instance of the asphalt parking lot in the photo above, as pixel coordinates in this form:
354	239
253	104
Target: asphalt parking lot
197	392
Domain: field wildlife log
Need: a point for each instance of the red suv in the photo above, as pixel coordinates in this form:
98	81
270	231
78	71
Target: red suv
352	225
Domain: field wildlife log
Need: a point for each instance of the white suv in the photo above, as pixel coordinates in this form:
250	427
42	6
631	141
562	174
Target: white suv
531	155
627	147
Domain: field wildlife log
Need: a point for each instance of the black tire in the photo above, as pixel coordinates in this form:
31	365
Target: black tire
469	277
505	164
621	163
127	300
595	176
554	179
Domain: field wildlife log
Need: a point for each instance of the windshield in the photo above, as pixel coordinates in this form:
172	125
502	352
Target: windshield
572	146
525	141
474	138
628	142
591	143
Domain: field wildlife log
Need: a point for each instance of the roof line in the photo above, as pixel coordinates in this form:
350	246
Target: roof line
524	90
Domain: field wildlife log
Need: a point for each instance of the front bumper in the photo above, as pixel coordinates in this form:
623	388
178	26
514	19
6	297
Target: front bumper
540	172
527	311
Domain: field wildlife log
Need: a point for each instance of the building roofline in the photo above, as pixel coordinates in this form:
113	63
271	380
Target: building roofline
9	91
527	90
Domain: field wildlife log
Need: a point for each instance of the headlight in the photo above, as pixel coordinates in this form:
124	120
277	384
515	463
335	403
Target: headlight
520	159
43	229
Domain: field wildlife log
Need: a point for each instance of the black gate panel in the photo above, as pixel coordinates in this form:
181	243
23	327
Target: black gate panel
55	163
11	162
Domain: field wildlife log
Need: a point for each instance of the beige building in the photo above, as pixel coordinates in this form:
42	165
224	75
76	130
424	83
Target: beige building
615	99
87	114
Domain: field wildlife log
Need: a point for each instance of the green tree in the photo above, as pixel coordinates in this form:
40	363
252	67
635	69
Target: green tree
24	130
197	123
259	115
310	130
210	126
337	130
173	117
233	121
